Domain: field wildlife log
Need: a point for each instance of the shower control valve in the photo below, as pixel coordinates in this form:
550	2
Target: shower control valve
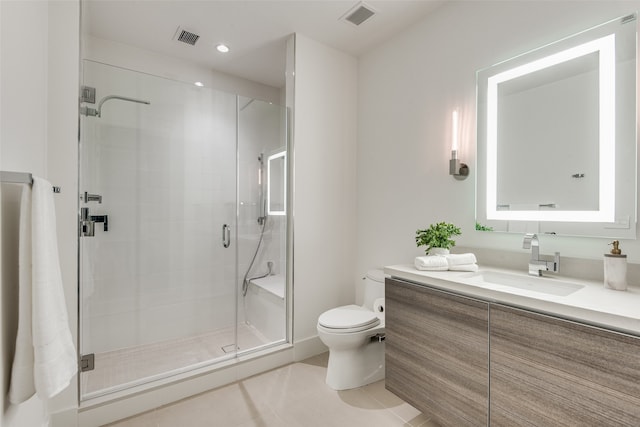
103	219
87	222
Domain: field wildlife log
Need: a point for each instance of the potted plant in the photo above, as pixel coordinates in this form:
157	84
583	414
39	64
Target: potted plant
437	238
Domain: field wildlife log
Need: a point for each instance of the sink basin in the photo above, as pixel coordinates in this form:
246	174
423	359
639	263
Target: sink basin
545	285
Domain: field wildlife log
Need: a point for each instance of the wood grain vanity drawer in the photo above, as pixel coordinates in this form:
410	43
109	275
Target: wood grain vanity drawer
547	371
437	353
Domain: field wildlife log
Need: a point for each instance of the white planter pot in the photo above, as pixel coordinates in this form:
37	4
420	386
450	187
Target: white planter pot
438	251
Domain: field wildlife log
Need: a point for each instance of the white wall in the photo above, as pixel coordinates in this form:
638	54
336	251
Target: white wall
38	134
325	182
62	155
407	90
23	129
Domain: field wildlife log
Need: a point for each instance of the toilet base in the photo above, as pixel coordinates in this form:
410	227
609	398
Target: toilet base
355	367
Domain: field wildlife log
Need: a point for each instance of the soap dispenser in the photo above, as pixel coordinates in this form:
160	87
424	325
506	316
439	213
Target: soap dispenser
615	268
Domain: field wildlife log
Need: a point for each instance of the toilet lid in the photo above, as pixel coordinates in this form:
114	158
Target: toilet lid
348	317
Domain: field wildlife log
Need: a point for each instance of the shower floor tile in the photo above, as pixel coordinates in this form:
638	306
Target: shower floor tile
291	396
114	369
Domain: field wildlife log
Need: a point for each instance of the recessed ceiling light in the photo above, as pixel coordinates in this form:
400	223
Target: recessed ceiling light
199	84
222	48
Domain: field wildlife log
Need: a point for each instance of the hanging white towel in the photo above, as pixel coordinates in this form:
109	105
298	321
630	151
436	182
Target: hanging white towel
22	382
45	359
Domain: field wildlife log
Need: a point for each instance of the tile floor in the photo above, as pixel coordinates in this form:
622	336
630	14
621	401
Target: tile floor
121	367
291	396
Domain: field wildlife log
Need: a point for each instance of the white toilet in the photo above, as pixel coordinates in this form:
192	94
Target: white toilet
355	337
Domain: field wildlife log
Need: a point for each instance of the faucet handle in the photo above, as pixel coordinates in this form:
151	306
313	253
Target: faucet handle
92	197
556	262
526	243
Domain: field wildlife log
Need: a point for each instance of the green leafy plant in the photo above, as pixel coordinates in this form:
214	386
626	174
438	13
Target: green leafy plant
437	236
481	227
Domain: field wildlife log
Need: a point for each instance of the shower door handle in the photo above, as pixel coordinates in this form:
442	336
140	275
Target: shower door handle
226	235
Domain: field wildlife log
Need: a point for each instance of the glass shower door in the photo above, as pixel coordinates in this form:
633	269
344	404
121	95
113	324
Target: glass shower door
262	228
158	270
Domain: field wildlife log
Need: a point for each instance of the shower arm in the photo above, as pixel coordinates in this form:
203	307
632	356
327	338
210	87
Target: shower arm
96	112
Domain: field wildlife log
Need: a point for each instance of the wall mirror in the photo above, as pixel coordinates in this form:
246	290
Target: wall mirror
277	183
557	137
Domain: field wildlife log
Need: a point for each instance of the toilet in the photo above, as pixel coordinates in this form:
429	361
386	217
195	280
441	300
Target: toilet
355	337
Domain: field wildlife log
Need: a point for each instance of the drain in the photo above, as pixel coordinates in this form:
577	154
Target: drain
229	348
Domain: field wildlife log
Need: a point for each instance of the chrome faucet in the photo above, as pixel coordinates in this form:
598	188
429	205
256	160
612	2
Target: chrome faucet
536	264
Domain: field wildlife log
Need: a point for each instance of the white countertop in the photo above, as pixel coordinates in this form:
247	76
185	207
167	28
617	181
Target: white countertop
593	304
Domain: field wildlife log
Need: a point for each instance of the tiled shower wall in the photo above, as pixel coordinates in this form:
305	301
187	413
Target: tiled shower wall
167	174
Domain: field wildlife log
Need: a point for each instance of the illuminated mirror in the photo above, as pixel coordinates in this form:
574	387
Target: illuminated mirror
277	184
556	137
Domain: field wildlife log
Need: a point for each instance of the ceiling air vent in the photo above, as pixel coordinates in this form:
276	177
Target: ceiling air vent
186	36
359	14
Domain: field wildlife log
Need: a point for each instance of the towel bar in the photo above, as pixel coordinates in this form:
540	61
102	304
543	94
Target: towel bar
20	178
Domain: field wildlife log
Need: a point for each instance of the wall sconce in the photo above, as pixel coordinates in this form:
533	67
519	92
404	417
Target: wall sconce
458	169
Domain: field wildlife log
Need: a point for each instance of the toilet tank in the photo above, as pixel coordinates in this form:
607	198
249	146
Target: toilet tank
373	287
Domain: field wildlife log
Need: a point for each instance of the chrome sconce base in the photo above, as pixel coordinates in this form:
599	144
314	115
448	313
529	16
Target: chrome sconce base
459	170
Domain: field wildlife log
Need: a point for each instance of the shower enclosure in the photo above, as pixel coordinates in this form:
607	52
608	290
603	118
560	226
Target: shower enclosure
174	213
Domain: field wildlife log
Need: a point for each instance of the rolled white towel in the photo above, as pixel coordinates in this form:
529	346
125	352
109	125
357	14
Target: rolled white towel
432	263
464	267
461	259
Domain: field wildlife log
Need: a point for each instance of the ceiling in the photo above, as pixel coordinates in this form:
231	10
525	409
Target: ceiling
255	31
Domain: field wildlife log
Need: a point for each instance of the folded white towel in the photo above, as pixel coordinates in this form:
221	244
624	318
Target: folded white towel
464	267
461	259
51	356
431	262
432	268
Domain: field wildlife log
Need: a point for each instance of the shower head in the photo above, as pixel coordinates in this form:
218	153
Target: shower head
95	112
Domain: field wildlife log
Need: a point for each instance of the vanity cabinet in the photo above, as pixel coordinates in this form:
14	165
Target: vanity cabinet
437	352
469	362
547	371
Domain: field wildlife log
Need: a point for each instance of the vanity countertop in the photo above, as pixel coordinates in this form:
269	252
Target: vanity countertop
593	304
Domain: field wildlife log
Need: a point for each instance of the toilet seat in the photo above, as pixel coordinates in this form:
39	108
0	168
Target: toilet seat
348	319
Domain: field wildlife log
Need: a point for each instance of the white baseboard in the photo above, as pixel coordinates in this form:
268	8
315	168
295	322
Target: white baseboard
308	347
66	418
